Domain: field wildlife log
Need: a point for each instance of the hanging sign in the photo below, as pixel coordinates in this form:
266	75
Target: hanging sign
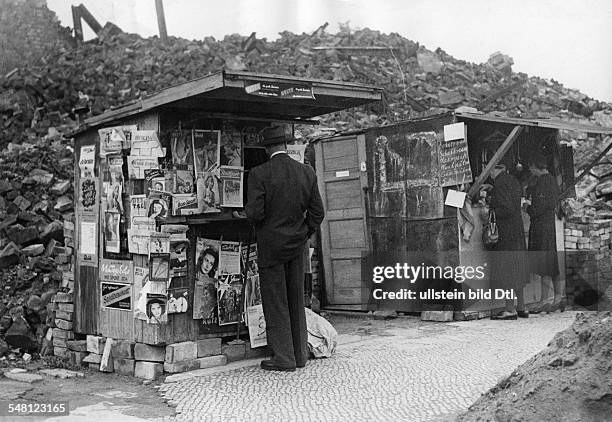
453	157
116	296
116	271
279	90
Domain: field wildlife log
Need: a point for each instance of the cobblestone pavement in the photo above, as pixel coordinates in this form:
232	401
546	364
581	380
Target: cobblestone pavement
417	372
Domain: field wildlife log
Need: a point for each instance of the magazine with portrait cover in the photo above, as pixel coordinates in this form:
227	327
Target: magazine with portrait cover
230	299
257	326
208	196
207	257
205	300
159	205
231	148
231	186
206	150
157	308
112	241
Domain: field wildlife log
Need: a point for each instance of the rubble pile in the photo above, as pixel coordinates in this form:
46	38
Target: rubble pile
570	380
36	211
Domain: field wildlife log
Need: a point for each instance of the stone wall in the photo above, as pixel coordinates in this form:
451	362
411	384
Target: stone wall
28	30
588	261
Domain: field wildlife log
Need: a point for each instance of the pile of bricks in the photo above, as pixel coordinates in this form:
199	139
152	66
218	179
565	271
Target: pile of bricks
588	257
63	308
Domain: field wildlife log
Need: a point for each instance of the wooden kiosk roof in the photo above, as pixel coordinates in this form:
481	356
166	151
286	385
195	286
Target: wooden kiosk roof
223	95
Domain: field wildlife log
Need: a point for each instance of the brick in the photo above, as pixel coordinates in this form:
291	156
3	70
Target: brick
95	344
208	347
148	370
75	357
59	351
59	333
571	239
63	324
181	352
212	361
77	345
176	367
67	316
66	307
124	366
233	352
149	353
68	225
93	358
439	316
123	349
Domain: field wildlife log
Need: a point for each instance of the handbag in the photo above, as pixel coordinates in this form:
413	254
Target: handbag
490	234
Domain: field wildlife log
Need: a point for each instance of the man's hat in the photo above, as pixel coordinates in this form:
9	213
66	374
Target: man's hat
276	135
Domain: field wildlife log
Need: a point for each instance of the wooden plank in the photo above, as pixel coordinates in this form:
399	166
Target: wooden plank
339	148
499	154
76	22
348	253
89	19
161	21
347	234
332	176
343	194
187	89
325	241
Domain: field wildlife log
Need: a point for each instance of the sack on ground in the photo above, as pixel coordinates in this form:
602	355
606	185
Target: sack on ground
322	336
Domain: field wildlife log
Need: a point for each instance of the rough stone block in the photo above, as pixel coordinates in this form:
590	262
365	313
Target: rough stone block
33	250
62	297
66	307
148	370
67	316
180	352
124	366
123	349
93	358
149	353
22	235
77	345
60	342
59	333
439	316
212	361
233	352
184	366
60	188
209	347
95	344
75	358
63	324
60	351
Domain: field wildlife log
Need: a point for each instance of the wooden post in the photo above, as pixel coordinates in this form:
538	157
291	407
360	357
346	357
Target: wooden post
499	154
161	21
76	22
88	17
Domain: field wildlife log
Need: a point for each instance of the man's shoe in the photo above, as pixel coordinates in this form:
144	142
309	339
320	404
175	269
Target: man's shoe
300	365
270	365
522	314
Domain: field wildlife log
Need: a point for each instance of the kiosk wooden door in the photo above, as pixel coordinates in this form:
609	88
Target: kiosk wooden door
342	177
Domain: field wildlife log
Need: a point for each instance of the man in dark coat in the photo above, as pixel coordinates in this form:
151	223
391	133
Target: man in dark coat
510	270
285	207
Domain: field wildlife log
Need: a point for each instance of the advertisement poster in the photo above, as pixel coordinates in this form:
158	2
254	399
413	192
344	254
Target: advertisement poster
138	164
87	161
88	195
229	299
116	296
257	326
208	193
111	141
116	271
231	186
88	238
157	310
206	150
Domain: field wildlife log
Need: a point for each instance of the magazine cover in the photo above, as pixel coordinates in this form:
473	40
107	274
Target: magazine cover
206	150
178	257
156	180
207	257
178	301
142	287
157	309
159	242
158	204
257	326
185	204
208	193
114	186
231	148
182	181
205	300
229	299
229	258
182	149
111	232
231	186
88	195
159	266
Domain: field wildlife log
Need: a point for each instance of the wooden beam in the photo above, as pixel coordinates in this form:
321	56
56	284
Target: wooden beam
499	154
76	22
161	21
89	19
